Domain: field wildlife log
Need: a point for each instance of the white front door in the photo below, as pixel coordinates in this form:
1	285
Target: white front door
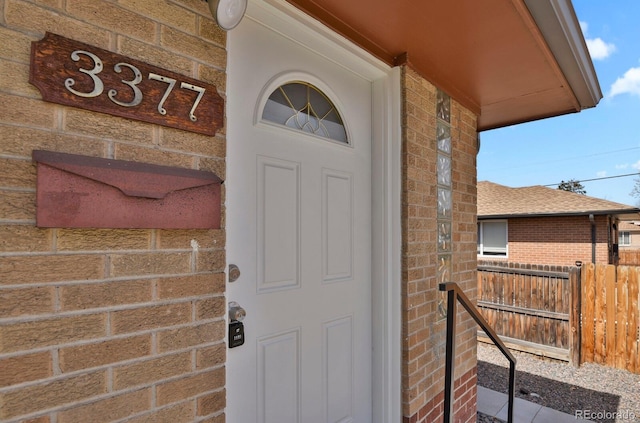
299	229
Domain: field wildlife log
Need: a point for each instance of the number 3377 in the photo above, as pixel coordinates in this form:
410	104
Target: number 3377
98	84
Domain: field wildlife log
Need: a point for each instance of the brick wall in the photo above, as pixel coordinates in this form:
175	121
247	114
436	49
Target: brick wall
557	240
110	324
423	331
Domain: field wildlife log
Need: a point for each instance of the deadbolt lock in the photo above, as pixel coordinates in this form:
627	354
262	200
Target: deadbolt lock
234	273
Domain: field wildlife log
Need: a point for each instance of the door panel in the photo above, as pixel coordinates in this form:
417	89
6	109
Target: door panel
299	228
338	369
279	365
278	217
337	225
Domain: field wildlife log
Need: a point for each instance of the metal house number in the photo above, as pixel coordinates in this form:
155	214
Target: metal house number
76	74
98	85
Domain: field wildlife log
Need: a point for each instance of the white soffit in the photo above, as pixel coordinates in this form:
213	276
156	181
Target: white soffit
559	25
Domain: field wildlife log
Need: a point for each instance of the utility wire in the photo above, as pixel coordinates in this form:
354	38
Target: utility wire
595	179
602	153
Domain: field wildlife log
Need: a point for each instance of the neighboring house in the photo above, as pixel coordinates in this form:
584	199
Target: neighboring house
629	235
541	225
347	145
629	243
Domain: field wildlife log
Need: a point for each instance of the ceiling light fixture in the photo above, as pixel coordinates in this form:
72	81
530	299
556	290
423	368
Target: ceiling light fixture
228	13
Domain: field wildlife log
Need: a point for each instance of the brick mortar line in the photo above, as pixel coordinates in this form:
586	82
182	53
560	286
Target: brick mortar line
13	59
105	280
77	313
13	157
59	115
73	405
106	338
156	408
65	12
55	358
154	147
109	380
104	252
194	398
54	129
111	366
109	141
208	416
13	189
213	415
154	397
15	222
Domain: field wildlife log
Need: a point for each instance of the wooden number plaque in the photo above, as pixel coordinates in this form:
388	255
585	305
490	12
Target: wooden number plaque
77	74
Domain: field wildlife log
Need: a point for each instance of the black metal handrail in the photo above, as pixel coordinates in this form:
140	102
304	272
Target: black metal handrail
455	294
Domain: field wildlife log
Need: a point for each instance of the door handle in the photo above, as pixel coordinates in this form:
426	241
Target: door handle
236	327
236	313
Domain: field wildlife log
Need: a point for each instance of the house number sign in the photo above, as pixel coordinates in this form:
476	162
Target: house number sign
80	75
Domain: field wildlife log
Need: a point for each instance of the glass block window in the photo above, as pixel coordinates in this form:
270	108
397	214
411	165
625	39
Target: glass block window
444	237
444	275
445	196
443	109
444	137
444	170
303	107
444	204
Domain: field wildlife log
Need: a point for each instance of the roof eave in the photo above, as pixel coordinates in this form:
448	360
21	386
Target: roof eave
559	25
626	213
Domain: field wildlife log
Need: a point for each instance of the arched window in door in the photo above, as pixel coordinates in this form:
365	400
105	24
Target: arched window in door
302	106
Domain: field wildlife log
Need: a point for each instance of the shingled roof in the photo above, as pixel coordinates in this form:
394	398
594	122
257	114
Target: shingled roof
496	201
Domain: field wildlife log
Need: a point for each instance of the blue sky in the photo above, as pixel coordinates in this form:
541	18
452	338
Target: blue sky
595	143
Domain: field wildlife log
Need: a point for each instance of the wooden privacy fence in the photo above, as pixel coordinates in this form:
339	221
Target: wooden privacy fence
629	257
587	314
610	321
531	307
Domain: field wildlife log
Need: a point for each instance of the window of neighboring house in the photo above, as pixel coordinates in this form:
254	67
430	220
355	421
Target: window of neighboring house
492	238
624	238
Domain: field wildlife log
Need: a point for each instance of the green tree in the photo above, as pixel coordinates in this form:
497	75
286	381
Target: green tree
635	192
574	186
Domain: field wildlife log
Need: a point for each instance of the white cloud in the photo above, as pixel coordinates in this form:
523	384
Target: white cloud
636	165
627	84
601	174
598	48
622	166
584	27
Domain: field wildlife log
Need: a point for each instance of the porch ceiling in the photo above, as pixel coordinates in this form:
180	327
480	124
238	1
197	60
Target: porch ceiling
509	61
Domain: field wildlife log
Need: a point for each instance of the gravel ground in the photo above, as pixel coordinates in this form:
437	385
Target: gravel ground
606	394
483	418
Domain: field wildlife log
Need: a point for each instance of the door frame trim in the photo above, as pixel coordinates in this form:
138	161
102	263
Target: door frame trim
386	271
386	173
